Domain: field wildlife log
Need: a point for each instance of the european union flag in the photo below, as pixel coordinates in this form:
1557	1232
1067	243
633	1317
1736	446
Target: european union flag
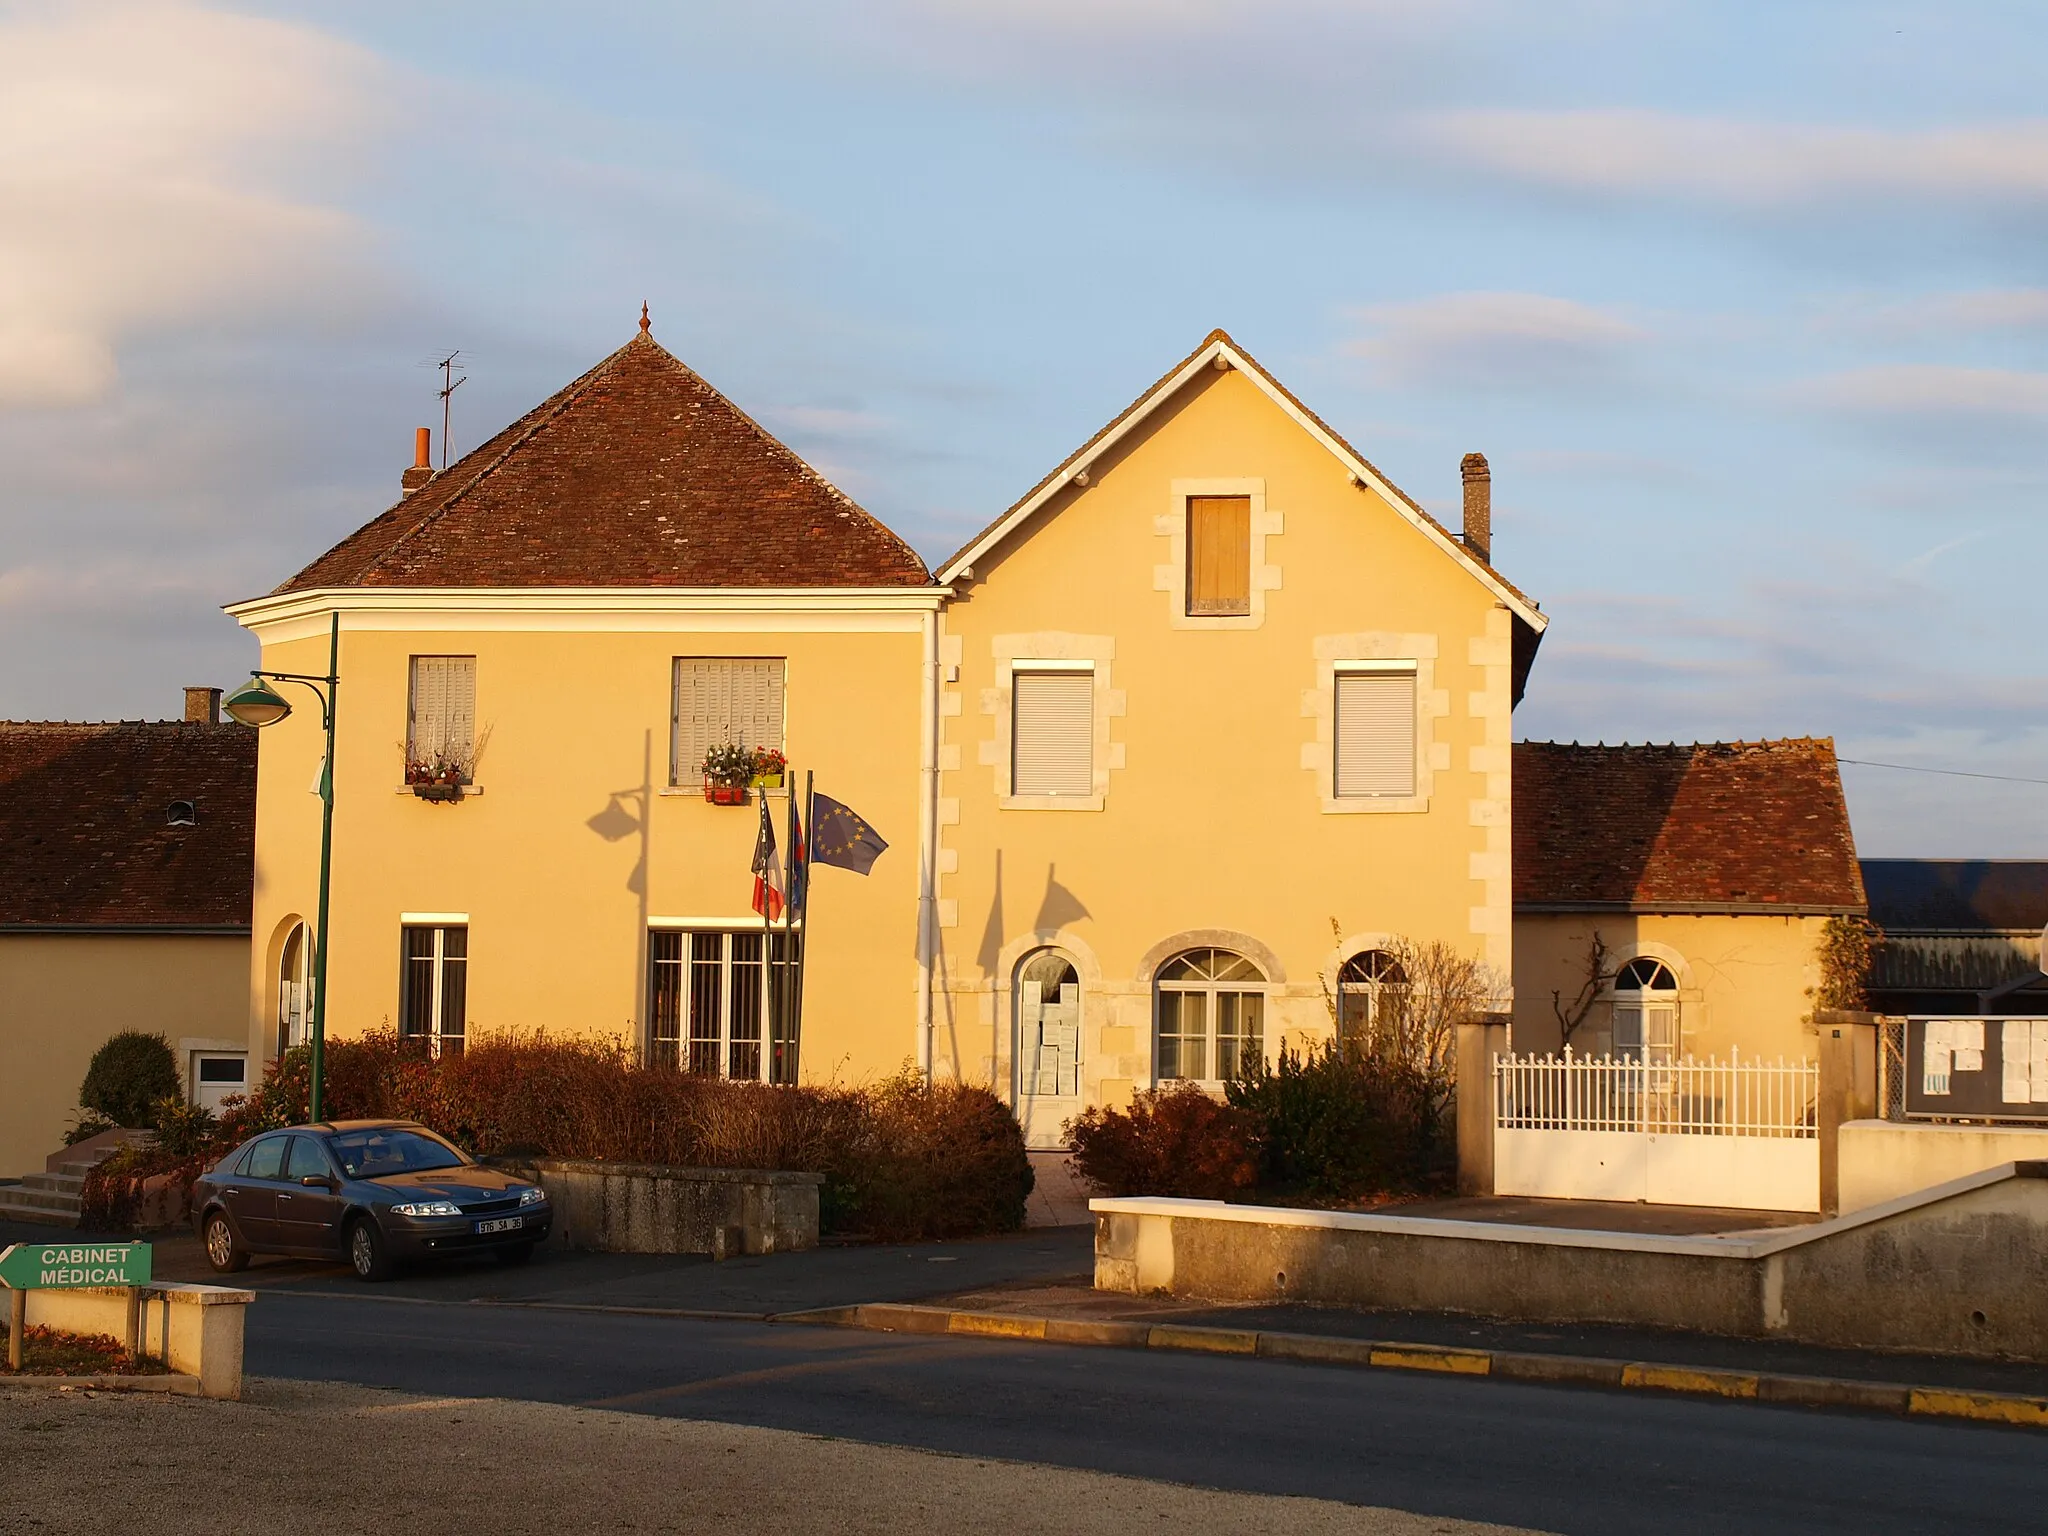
840	836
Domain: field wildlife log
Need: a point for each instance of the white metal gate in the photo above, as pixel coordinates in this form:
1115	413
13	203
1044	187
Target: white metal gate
1734	1133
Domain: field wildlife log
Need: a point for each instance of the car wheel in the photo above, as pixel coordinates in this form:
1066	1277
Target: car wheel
518	1253
223	1250
368	1254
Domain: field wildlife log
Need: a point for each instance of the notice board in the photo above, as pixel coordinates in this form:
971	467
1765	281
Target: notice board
1977	1068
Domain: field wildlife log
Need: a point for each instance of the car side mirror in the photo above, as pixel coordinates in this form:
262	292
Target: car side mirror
316	1180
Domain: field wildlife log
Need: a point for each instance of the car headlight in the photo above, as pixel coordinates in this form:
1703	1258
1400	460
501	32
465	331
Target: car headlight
428	1208
533	1196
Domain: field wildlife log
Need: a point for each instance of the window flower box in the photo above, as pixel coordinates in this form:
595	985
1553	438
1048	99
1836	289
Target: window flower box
716	793
728	770
768	768
438	791
441	780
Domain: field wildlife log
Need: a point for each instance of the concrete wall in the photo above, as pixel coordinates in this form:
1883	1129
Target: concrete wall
1212	821
195	1329
723	1212
62	996
578	842
1743	981
1962	1269
1882	1160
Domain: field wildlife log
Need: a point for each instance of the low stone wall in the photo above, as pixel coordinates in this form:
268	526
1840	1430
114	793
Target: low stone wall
196	1330
1961	1269
1881	1160
647	1208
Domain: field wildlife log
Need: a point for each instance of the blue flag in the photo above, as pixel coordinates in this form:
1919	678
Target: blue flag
840	836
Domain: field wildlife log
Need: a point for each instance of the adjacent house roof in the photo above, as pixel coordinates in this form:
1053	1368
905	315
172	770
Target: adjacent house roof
1716	827
639	474
86	833
1957	895
1218	349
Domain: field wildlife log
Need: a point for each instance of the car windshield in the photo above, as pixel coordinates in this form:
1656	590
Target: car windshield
375	1154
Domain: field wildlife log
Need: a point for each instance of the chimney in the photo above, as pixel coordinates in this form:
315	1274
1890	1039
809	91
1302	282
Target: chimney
203	705
422	462
1478	505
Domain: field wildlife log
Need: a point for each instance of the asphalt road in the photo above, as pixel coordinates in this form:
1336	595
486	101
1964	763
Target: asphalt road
1549	1459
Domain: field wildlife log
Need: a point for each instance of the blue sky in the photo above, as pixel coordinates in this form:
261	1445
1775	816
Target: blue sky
1747	304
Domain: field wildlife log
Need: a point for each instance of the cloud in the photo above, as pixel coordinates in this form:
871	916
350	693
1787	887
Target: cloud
1497	341
1938	315
1742	163
153	160
1932	390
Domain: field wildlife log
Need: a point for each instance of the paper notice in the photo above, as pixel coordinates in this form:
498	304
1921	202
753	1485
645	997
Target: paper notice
2038	1061
1966	1035
1969	1059
2016	1052
1936	1058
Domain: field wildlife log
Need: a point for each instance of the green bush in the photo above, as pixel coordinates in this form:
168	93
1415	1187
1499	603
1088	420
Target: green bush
1175	1140
182	1130
1331	1124
128	1076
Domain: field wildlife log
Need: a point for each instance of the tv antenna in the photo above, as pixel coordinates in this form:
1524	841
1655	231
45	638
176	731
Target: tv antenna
449	384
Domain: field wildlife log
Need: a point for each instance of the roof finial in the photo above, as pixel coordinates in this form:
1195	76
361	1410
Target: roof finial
645	328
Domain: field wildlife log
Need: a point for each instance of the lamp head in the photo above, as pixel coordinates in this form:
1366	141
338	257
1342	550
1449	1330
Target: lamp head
255	703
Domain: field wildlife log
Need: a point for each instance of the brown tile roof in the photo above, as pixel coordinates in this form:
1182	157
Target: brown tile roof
639	474
85	836
1721	826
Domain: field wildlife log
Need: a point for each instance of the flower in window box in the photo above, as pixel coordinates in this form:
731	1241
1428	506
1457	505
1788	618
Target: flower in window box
769	767
728	769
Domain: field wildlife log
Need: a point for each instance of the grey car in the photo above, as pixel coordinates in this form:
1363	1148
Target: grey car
376	1193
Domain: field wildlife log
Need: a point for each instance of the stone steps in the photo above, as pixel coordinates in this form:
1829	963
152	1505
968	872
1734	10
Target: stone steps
53	1199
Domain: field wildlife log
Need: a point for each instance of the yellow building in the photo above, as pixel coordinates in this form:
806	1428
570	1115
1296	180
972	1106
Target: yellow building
1670	900
1167	755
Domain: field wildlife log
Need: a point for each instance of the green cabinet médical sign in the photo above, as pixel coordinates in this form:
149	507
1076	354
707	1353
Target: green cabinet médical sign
55	1266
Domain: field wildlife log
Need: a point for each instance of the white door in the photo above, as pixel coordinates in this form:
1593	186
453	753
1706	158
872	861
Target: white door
1048	1047
216	1074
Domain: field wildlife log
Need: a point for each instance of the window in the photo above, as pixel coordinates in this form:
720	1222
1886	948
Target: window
1211	1015
265	1160
720	699
1372	993
713	998
433	988
1646	1012
182	813
1048	1027
1052	731
440	722
294	989
1375	729
1219	555
307	1160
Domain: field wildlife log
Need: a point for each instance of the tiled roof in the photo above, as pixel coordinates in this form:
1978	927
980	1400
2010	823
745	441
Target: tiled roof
85	833
1958	895
1718	826
639	474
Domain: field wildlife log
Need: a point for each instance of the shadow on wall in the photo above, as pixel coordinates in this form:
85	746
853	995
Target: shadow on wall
628	812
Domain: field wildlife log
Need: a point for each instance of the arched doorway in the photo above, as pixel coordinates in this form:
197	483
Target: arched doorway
1646	1012
294	989
1048	1045
1372	993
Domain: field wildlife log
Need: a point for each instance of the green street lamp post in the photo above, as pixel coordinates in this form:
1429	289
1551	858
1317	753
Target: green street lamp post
258	704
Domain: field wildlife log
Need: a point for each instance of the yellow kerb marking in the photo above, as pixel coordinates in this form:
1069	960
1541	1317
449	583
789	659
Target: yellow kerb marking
996	1327
1988	1406
1672	1378
1215	1341
1459	1362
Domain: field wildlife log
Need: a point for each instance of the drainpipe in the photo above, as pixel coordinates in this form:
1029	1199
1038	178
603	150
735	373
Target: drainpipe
927	840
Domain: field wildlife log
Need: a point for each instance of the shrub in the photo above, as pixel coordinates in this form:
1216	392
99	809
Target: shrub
182	1130
128	1076
1331	1124
1175	1140
945	1160
85	1125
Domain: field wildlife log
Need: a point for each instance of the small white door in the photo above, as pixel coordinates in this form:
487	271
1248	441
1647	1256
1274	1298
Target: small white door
216	1074
1048	1048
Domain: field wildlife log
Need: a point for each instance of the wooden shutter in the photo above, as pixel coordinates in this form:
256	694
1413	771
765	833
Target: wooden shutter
1375	733
1052	738
720	699
442	713
1219	554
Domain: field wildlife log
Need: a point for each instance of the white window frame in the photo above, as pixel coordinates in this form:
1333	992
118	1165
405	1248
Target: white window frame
713	947
1645	1009
1050	652
1023	669
438	1031
1338	672
1212	992
457	732
1370	651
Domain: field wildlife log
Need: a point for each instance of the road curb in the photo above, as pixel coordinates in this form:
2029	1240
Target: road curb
1394	1355
172	1383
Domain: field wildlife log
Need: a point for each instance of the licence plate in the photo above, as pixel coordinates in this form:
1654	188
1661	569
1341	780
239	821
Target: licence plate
503	1224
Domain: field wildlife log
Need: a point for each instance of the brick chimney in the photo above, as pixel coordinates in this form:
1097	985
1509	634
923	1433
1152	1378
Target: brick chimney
1478	505
203	705
422	462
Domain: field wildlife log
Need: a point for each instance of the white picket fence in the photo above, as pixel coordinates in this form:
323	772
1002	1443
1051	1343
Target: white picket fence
1724	1133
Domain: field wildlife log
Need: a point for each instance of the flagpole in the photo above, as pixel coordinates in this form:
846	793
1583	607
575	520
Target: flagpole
764	1072
803	939
789	892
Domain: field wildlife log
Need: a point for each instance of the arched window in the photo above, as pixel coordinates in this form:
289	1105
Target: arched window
1212	1015
294	989
1372	995
1646	1012
182	813
1048	1027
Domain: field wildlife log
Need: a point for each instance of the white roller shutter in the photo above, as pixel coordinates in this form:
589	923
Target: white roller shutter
1375	733
1053	733
720	699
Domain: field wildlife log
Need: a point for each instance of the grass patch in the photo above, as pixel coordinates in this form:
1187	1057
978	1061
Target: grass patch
47	1352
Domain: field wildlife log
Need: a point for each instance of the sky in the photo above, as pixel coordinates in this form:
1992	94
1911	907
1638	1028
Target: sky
1746	303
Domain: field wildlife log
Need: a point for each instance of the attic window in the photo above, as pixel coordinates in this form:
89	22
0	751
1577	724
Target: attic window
1219	546
183	813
